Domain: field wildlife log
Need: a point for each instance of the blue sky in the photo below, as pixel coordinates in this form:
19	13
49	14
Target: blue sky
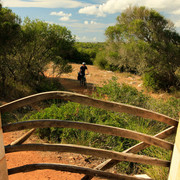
88	19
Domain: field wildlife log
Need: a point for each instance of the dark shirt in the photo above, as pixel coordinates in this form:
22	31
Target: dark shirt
82	70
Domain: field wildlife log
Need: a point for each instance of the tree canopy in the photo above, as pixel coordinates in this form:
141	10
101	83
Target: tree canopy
144	41
26	49
40	44
9	34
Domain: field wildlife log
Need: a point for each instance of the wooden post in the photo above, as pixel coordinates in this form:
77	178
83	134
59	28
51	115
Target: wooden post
174	173
3	166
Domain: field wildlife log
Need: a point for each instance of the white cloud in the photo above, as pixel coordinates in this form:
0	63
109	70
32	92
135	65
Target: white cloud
65	17
115	6
84	38
92	10
86	22
91	22
88	28
60	13
44	3
176	12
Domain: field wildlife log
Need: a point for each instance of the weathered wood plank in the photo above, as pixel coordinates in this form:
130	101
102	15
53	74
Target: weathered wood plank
134	149
3	164
142	145
88	151
82	99
23	138
73	169
90	127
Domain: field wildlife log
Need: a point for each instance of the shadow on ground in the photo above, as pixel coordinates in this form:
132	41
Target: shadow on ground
74	86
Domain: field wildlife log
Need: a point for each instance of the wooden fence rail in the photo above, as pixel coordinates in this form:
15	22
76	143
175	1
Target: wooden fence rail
115	157
90	127
134	149
85	100
73	169
88	151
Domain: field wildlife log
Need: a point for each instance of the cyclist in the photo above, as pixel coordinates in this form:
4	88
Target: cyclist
83	68
81	74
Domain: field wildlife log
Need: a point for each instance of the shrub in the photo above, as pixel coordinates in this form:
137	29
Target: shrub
159	81
122	93
75	112
48	84
152	81
100	60
103	63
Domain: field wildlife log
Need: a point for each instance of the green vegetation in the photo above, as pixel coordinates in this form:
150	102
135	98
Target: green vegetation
86	51
27	48
144	42
119	93
25	51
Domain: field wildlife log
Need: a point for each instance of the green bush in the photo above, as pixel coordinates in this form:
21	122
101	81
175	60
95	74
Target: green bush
160	81
100	60
86	52
48	84
122	93
75	112
103	63
152	80
170	107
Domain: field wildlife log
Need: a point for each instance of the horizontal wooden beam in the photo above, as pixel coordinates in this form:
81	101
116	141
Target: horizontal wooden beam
90	127
109	163
85	100
88	151
72	169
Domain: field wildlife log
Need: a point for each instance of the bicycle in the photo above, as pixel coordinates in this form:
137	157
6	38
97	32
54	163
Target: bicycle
83	81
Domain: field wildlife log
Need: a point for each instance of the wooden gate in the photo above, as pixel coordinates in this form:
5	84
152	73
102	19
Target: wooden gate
114	157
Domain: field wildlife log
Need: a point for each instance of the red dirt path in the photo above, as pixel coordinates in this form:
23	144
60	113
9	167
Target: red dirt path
30	157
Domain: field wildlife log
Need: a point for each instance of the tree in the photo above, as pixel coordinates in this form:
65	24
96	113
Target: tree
40	44
26	49
86	51
62	41
10	31
144	41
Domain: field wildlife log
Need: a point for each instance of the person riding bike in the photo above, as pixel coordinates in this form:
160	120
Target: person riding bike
81	74
83	68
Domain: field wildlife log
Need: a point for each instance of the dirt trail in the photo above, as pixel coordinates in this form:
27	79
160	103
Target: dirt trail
96	77
29	157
